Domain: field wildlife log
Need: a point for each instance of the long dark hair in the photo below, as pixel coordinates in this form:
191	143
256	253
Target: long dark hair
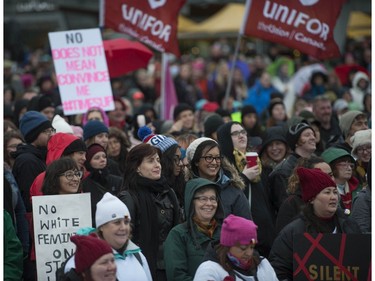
168	164
125	145
51	183
208	145
133	160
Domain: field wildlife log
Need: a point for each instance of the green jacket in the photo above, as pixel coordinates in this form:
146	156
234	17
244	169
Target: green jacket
13	252
185	245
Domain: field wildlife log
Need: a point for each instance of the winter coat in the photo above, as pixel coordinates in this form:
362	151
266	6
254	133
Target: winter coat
356	92
30	162
289	210
128	266
361	210
13	257
185	245
278	181
281	256
213	271
261	215
232	197
152	220
259	97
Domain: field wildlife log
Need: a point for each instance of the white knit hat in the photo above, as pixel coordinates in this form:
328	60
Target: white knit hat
60	125
110	208
360	138
190	151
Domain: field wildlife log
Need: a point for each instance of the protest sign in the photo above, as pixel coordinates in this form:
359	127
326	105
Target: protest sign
153	22
56	218
306	25
335	257
81	70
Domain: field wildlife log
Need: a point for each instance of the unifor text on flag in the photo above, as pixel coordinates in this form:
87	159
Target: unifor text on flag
306	25
153	22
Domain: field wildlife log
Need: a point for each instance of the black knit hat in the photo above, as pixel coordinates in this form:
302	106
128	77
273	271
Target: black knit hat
294	132
273	103
180	108
32	124
248	109
276	133
40	102
75	146
212	123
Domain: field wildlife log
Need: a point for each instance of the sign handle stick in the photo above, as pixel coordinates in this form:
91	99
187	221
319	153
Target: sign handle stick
101	13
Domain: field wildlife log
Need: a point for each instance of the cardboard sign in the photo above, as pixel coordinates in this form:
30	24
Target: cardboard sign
81	70
333	257
153	22
306	25
56	219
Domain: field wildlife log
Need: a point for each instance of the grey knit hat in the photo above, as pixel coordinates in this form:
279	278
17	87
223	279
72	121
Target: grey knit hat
347	120
190	151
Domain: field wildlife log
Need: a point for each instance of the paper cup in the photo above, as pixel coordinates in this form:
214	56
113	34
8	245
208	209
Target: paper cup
251	159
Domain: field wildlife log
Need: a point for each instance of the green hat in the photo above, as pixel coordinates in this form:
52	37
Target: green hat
333	153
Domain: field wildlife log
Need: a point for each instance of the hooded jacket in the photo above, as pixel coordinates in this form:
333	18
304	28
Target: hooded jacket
185	245
356	92
55	149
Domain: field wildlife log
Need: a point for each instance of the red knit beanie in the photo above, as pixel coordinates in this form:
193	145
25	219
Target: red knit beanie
92	150
89	249
238	230
313	181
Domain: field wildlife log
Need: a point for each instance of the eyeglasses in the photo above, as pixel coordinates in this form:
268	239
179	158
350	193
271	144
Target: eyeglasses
363	149
237	133
49	131
209	159
205	199
346	165
70	175
177	160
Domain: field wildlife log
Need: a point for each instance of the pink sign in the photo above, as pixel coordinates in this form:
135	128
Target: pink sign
81	70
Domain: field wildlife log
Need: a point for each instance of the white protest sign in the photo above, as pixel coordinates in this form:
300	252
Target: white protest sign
81	70
56	219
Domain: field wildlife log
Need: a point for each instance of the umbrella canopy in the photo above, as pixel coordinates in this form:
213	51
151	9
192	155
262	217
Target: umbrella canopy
124	56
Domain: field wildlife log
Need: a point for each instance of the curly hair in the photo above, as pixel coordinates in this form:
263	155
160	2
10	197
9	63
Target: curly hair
293	181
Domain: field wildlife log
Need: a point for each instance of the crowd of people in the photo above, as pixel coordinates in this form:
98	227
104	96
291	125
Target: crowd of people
176	199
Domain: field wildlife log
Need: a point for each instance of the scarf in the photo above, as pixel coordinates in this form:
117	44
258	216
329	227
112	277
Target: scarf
239	263
209	229
148	226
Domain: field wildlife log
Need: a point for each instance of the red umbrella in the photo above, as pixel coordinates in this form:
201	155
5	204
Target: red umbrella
124	56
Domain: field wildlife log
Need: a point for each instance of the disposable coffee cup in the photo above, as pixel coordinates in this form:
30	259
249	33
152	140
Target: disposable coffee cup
251	159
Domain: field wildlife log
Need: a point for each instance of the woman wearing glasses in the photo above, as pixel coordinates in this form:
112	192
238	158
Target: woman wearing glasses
343	165
233	141
99	181
62	177
186	243
206	161
361	143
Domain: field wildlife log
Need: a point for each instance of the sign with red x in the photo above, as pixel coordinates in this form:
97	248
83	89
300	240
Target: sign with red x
332	257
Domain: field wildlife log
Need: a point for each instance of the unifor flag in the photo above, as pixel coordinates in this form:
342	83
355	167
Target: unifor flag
153	22
306	25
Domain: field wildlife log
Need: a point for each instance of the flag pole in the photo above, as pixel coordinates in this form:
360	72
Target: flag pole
101	14
230	78
164	61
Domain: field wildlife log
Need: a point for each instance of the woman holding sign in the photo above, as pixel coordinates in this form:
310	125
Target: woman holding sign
320	215
233	140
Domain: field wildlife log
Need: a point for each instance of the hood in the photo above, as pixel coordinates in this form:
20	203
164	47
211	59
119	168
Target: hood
191	188
57	144
358	76
39	152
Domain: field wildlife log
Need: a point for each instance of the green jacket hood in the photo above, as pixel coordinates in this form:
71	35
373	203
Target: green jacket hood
192	186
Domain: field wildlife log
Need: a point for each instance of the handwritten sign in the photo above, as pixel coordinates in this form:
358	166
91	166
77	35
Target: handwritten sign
81	70
56	219
332	257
